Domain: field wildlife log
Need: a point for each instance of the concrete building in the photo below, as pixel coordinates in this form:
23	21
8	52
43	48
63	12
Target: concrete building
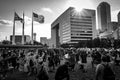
73	26
118	16
104	16
18	39
44	40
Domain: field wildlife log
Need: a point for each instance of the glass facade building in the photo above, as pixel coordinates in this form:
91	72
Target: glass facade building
104	16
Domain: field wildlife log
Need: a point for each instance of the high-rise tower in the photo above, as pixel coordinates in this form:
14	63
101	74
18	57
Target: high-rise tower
118	17
104	16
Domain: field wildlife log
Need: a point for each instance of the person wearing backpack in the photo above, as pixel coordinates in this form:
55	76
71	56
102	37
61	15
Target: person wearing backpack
42	73
104	70
31	67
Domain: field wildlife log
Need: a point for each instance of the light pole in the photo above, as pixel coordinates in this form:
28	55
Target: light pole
112	40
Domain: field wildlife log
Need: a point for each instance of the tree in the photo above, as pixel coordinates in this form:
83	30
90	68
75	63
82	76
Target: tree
96	42
6	42
81	43
37	43
65	45
45	45
89	43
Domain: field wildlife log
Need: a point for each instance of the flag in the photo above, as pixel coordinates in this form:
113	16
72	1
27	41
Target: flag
38	18
17	18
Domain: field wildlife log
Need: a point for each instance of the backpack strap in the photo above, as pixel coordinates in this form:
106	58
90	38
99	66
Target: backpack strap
105	64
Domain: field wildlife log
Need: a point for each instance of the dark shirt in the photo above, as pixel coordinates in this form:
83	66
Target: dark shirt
61	71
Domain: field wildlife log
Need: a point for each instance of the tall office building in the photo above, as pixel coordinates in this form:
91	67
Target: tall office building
104	16
44	40
118	16
73	26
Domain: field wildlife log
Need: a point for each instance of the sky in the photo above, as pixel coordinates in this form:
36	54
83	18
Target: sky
50	9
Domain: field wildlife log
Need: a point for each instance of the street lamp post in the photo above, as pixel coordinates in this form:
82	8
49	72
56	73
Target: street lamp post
112	40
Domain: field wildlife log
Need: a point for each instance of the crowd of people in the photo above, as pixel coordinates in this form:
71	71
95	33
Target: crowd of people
40	62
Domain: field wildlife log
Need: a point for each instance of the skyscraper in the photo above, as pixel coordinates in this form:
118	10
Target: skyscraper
104	16
118	16
118	25
73	26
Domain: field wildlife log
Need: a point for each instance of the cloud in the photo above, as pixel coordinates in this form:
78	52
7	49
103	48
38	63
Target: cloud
28	20
6	22
42	30
47	10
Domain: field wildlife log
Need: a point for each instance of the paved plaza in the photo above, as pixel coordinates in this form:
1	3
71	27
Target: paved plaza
74	75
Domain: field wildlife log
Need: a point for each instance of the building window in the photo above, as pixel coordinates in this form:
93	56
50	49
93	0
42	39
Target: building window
89	31
76	22
66	32
86	34
85	25
78	19
82	37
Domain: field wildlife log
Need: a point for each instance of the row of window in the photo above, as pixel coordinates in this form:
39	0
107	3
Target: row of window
76	38
77	22
82	31
75	27
82	34
79	40
66	41
77	31
74	16
67	32
66	29
89	31
66	38
66	35
79	19
65	26
79	28
86	25
81	37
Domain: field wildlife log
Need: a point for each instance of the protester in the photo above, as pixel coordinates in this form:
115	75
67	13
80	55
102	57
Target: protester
42	73
33	61
103	70
83	60
62	72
